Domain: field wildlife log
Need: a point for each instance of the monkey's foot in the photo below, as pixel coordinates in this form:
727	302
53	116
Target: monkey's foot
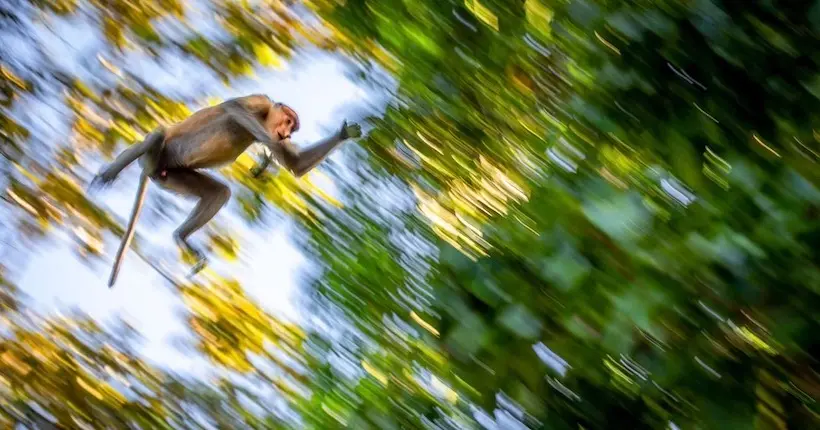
199	258
196	257
201	264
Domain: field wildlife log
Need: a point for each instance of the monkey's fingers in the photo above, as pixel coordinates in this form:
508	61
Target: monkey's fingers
351	131
98	182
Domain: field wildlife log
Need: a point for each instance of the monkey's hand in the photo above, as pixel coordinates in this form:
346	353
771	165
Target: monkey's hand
257	171
102	179
350	131
261	166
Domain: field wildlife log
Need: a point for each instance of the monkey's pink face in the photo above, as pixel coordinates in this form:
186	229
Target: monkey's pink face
283	123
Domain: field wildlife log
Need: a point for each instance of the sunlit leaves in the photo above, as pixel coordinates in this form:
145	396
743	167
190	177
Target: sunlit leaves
58	368
230	327
539	15
119	18
482	13
59	7
71	371
266	56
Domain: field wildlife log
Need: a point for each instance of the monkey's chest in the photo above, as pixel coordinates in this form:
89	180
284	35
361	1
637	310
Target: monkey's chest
214	146
225	151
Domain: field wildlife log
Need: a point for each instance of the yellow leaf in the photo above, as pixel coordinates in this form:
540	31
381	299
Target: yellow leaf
538	14
15	363
266	55
755	340
89	388
125	129
423	323
16	80
372	371
481	12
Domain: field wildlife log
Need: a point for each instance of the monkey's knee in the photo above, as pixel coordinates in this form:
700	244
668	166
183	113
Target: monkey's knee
215	199
210	203
222	195
152	160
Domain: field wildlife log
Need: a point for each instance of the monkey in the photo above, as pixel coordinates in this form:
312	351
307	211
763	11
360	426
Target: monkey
173	158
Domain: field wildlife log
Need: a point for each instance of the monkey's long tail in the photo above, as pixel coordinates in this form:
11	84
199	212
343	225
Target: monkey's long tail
129	231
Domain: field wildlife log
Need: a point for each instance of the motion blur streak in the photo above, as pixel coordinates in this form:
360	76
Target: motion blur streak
562	215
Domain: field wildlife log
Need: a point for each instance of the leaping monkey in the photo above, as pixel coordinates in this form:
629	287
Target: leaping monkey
172	158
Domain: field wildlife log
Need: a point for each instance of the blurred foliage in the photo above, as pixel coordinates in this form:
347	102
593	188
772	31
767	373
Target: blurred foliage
71	370
571	214
629	189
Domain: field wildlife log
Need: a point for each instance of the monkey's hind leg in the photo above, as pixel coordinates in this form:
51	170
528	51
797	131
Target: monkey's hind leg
212	195
151	144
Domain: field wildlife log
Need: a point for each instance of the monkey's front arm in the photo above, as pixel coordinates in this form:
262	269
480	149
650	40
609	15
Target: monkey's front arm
300	162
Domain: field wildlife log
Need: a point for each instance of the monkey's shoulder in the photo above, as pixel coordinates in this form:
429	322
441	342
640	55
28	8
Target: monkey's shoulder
257	104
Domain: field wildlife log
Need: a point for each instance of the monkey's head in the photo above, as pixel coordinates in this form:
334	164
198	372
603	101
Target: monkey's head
282	121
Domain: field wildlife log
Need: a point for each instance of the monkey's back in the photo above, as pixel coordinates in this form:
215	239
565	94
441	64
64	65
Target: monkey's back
193	123
207	138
